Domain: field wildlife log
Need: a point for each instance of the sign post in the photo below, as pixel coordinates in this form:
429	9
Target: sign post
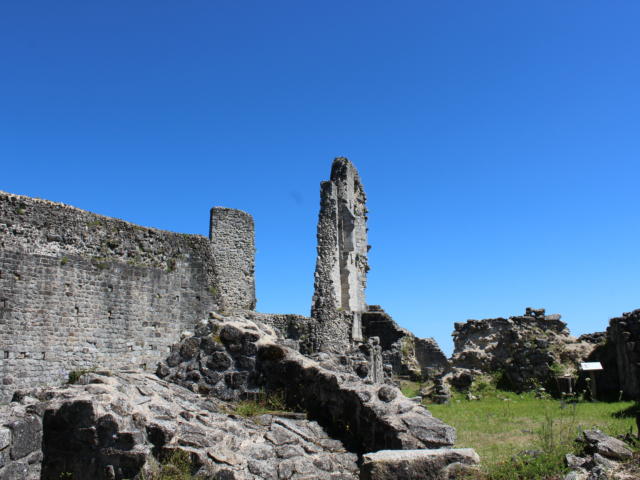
592	368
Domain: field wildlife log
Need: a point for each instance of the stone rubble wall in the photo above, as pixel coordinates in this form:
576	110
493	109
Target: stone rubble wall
80	291
232	240
296	331
233	357
524	348
404	352
20	443
623	336
126	425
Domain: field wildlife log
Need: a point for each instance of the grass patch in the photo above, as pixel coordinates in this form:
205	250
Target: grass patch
272	403
100	263
503	424
409	388
175	465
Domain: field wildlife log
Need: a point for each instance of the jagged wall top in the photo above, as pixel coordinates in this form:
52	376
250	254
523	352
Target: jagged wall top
341	267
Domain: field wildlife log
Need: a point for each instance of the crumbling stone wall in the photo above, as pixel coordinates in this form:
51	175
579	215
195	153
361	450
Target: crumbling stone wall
80	291
233	357
525	348
407	355
341	267
623	338
296	331
232	240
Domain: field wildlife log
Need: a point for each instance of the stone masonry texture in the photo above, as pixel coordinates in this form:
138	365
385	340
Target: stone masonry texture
82	291
232	239
341	267
624	338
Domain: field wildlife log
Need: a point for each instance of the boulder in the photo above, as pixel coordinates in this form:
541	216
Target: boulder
605	445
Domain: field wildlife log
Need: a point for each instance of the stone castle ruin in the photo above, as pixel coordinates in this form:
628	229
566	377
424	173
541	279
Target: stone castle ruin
160	334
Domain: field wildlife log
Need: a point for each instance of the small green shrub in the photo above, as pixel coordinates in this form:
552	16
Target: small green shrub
175	465
75	375
543	466
408	348
64	261
171	264
100	263
213	290
558	369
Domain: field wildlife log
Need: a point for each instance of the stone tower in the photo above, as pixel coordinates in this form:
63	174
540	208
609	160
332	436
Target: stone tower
231	233
341	267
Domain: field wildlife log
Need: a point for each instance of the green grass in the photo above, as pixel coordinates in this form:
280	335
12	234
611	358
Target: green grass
175	465
75	375
271	403
409	388
503	424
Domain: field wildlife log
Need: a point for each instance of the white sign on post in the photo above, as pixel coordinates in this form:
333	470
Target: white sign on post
590	366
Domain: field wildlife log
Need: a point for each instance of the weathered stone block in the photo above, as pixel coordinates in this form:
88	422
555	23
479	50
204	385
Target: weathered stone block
27	436
5	438
414	464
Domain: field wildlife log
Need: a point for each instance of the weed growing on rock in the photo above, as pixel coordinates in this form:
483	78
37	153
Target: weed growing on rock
176	465
267	404
75	375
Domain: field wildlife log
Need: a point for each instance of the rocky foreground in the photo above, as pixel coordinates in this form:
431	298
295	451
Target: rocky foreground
132	425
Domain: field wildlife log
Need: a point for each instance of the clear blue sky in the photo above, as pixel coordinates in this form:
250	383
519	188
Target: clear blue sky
498	141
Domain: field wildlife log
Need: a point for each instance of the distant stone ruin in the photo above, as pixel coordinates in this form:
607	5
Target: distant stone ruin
529	350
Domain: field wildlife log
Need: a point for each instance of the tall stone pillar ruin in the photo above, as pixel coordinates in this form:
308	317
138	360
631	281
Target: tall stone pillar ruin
341	266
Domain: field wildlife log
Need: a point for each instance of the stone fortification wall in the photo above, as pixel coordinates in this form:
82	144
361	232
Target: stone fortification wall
81	291
341	267
232	239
